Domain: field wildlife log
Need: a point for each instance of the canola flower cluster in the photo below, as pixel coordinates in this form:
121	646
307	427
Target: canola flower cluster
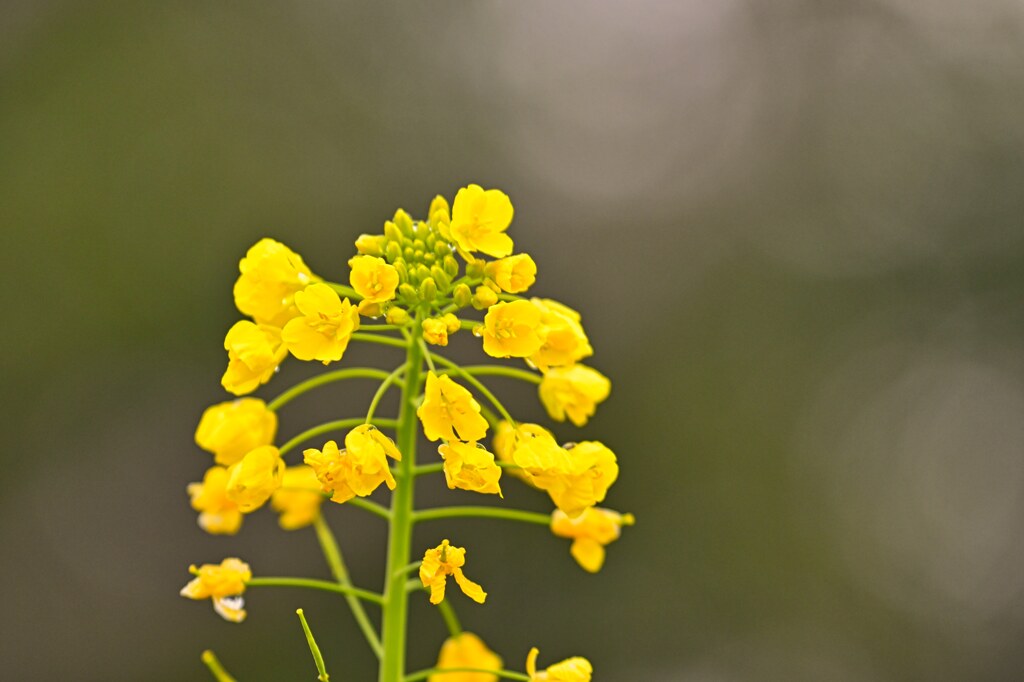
415	285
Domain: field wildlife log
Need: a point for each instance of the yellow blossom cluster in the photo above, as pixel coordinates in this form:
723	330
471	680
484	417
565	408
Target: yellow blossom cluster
248	470
422	282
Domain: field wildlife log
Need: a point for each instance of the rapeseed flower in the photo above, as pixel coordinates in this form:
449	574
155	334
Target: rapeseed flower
231	429
298	499
218	514
224	583
564	341
466	650
470	467
590	532
271	273
373	278
479	220
323	330
512	330
254	352
573	391
449	411
575	478
443	561
254	479
359	469
514	274
575	669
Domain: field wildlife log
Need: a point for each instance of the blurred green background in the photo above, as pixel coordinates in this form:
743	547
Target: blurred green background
793	229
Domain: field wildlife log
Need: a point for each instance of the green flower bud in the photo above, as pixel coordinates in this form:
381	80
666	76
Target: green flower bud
462	295
441	249
475	268
403	271
428	289
393	252
451	266
440	278
419	245
408	292
392	232
404	222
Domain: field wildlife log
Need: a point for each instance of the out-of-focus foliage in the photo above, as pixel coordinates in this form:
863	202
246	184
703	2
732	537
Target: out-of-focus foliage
794	226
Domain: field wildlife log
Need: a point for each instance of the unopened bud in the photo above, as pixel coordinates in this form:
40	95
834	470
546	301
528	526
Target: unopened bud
451	322
368	309
369	245
428	289
408	292
475	268
397	316
403	271
451	266
484	298
392	232
440	278
404	222
462	295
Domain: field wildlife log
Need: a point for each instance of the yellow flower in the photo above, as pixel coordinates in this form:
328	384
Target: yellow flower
271	273
575	669
373	278
449	411
224	584
254	479
323	331
466	650
479	220
506	440
484	297
590	532
357	470
564	341
233	428
298	499
441	562
574	391
218	515
435	331
512	330
470	467
514	274
254	352
575	478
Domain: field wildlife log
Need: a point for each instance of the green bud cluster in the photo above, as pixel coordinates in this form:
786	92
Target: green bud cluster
424	259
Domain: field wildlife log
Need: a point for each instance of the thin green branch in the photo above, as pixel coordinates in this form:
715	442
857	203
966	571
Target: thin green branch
316	585
382	340
216	669
332	553
328	427
426	355
382	389
326	378
501	370
318	658
504	674
372	507
481	512
450	619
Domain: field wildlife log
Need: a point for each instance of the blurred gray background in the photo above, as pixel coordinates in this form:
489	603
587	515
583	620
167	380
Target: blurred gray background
793	229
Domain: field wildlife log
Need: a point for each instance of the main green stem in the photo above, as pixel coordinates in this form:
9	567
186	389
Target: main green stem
392	668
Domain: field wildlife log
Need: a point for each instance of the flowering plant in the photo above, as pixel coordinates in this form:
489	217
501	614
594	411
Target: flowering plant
411	277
